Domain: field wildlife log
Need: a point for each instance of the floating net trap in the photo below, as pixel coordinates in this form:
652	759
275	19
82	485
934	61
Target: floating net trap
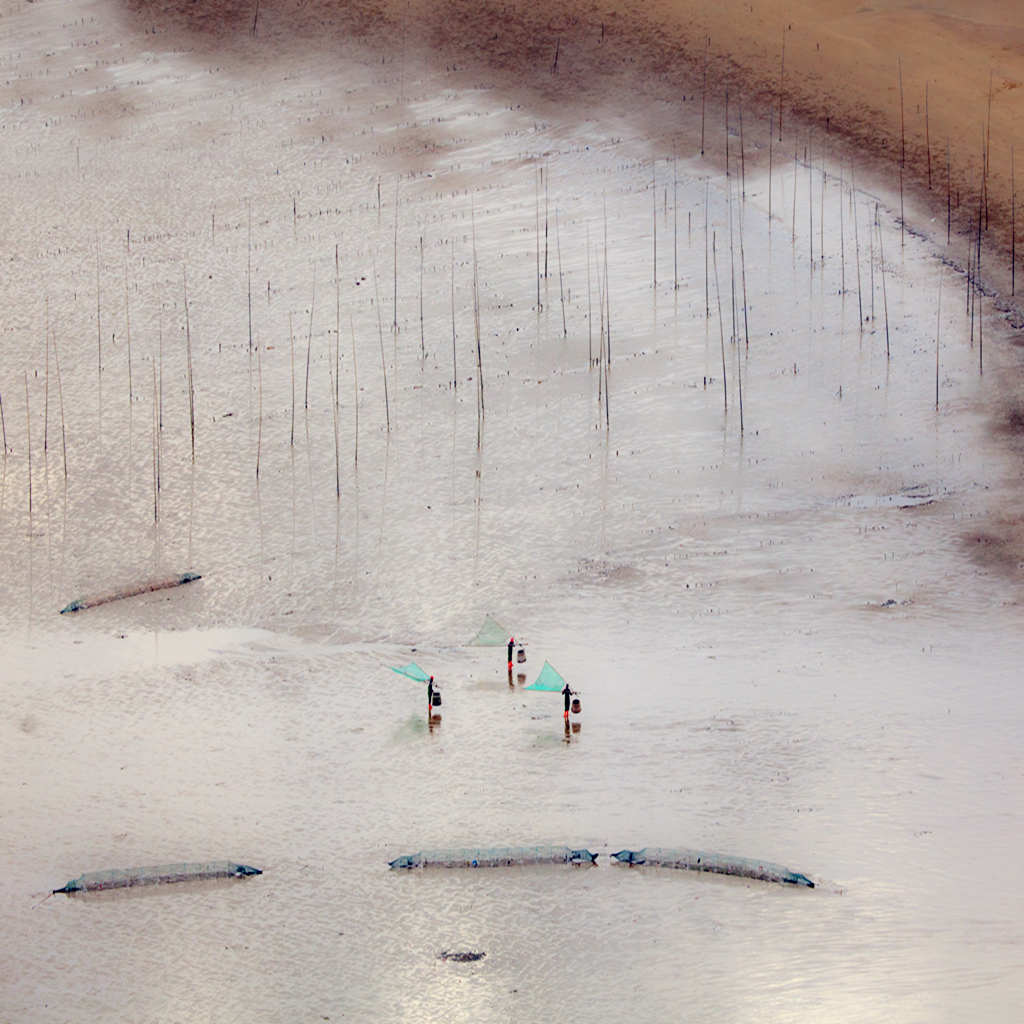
133	591
494	857
698	860
123	878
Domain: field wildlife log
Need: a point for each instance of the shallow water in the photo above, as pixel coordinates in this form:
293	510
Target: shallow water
795	643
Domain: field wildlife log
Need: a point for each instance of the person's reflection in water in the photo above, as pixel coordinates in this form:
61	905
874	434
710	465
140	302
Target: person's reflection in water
433	721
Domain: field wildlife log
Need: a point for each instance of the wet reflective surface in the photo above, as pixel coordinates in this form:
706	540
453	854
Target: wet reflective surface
797	642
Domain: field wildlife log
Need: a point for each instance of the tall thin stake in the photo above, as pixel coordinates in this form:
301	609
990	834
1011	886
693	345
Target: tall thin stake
927	137
704	91
60	396
561	284
355	388
721	326
259	427
248	278
938	326
380	335
46	383
782	79
856	247
291	343
455	368
28	446
590	315
188	357
654	222
881	269
309	342
423	335
1013	228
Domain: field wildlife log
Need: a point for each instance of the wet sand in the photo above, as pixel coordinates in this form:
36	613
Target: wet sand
830	72
794	618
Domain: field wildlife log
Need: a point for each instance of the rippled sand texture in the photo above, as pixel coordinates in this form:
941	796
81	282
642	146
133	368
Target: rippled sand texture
793	628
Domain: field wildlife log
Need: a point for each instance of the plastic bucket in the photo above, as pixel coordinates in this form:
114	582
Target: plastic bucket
435	700
576	706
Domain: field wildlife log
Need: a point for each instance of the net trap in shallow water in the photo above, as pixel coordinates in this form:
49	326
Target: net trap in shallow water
124	878
494	857
722	864
133	590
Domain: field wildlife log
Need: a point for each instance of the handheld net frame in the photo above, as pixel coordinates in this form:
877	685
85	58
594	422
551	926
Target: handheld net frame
549	679
411	671
490	634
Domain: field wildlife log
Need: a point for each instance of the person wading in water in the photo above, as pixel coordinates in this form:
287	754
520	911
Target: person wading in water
566	694
430	694
511	644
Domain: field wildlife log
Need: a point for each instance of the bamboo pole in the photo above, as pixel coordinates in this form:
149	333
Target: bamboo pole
156	434
938	327
60	396
927	137
881	269
28	447
704	91
380	334
423	335
394	304
590	307
46	381
721	326
128	330
355	389
455	367
248	278
675	225
856	247
309	343
259	427
561	284
291	345
188	357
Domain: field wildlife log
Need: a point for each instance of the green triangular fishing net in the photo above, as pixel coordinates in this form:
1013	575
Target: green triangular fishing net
412	670
491	635
548	679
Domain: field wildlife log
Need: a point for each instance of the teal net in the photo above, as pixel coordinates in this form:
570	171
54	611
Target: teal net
491	634
122	878
413	671
548	679
494	857
700	860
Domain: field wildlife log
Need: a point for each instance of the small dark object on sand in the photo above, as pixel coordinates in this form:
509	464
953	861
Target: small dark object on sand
461	958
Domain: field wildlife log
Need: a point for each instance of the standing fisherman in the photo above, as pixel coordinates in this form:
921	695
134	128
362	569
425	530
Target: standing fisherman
430	694
511	644
566	694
